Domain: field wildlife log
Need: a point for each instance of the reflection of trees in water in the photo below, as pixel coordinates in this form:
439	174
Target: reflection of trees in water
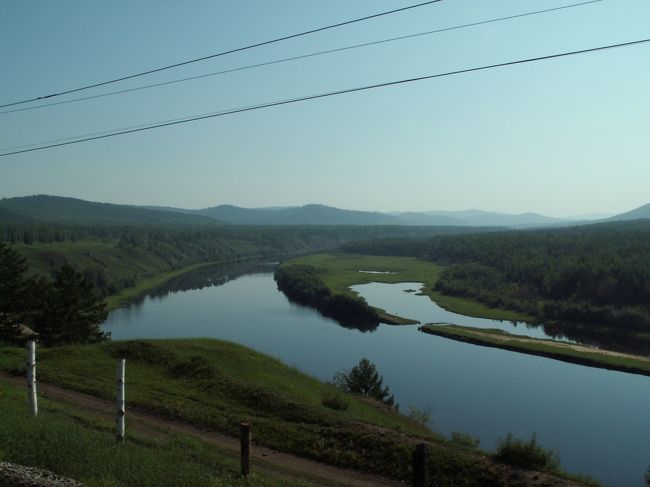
591	336
605	338
346	321
205	277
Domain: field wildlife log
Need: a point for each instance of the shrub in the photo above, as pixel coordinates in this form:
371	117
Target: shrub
527	454
463	440
420	416
336	401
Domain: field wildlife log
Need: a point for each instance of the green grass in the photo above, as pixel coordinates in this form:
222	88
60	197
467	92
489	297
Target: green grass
541	347
215	385
72	443
340	271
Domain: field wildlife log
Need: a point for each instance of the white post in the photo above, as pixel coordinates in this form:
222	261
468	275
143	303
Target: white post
31	377
119	431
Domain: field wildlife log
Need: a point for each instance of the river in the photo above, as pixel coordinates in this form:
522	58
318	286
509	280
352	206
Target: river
595	418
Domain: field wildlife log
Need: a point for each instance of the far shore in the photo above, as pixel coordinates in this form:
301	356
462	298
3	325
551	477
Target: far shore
565	352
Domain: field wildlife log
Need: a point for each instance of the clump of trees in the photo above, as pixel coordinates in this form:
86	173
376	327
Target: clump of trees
363	379
302	284
63	310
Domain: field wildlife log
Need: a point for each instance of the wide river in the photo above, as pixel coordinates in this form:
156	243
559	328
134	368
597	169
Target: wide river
597	419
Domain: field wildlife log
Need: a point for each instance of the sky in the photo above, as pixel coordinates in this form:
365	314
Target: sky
560	137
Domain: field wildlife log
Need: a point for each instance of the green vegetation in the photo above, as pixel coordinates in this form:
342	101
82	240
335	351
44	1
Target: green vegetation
125	260
302	284
595	274
214	385
546	348
339	271
66	310
364	380
527	454
62	435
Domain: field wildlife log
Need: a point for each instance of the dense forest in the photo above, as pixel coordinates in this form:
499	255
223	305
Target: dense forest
593	274
115	257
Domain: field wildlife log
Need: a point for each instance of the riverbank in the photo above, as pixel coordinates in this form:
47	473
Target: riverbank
565	352
212	386
144	285
340	271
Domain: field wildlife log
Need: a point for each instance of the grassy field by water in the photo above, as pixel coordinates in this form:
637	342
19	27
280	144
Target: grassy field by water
214	385
340	271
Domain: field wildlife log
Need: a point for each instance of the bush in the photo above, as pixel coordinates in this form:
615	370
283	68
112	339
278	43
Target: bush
526	454
336	401
463	440
420	416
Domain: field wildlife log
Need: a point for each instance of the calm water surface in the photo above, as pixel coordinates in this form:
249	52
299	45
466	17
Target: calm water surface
597	419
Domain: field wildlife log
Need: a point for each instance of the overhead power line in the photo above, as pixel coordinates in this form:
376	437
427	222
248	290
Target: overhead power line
222	53
303	56
195	118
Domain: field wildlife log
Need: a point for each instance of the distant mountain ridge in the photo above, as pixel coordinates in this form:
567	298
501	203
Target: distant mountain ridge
56	209
641	212
62	210
302	215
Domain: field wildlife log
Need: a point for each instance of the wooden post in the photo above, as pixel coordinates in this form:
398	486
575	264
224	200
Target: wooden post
245	448
420	465
31	377
119	424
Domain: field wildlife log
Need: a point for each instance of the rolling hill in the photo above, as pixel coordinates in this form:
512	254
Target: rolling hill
639	213
302	215
56	209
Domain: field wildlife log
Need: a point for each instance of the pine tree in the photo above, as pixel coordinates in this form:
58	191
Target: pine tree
14	292
364	379
69	310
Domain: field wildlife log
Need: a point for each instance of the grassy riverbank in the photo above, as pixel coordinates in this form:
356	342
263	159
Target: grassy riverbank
340	271
564	352
215	385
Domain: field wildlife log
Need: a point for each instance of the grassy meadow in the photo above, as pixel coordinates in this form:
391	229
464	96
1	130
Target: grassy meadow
340	271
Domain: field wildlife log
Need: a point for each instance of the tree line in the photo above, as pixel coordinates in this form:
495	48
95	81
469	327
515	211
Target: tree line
302	284
596	274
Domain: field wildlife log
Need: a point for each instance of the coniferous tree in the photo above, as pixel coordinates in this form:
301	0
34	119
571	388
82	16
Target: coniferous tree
14	292
69	310
364	379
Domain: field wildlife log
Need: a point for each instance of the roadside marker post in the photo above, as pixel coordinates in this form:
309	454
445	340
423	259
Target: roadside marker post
420	465
245	440
120	401
31	377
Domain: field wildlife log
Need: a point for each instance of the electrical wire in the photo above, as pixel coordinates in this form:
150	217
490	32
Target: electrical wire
303	56
86	138
222	53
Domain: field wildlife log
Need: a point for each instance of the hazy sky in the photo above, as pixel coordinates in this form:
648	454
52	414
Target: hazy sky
560	137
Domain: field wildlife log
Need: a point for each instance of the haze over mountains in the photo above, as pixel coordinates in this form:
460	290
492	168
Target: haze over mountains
55	209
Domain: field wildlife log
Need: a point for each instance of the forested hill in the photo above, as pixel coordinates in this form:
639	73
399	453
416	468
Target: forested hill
303	215
56	209
638	213
115	257
595	274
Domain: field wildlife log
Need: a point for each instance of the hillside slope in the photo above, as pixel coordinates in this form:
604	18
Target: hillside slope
303	215
56	209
